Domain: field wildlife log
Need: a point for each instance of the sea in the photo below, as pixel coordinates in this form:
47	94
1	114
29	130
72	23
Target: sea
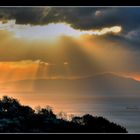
122	110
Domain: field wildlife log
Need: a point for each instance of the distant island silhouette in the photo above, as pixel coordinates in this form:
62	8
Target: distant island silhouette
17	118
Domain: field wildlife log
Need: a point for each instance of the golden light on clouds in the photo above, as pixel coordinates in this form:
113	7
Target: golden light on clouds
77	53
12	71
56	58
52	31
114	29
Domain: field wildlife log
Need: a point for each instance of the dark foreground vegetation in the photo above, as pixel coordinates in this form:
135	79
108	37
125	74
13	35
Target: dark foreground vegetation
17	118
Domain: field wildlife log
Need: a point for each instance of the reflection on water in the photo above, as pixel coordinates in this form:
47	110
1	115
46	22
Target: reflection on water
112	108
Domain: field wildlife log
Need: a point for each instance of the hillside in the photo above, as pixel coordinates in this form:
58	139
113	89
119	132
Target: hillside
107	84
16	118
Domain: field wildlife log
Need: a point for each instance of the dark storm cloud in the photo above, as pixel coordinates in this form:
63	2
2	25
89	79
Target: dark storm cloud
45	15
78	17
83	18
23	15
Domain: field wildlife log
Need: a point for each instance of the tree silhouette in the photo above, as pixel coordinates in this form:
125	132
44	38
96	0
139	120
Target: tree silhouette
15	117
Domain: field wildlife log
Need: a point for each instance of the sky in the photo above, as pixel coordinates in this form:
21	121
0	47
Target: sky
68	42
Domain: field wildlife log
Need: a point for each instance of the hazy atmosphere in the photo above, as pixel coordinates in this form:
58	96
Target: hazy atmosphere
75	59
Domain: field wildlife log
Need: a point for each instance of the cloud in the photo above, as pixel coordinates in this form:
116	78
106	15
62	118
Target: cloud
87	55
23	15
79	17
84	18
115	51
53	30
56	54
